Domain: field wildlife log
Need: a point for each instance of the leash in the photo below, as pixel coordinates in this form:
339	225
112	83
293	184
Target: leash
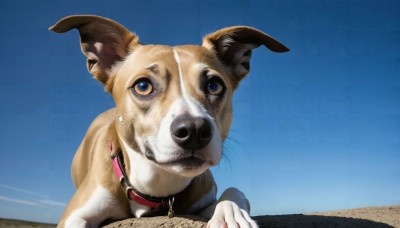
132	193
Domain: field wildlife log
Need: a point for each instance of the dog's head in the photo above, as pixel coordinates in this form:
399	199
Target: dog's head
174	104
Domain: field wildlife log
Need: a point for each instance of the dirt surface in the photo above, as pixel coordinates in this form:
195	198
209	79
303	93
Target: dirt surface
11	223
186	221
363	217
386	215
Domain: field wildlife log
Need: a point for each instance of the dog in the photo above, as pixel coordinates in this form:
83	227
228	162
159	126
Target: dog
150	155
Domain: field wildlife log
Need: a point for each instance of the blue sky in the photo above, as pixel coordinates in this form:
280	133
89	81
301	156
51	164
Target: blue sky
317	128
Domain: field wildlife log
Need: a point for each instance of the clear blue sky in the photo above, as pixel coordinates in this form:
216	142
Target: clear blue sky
314	129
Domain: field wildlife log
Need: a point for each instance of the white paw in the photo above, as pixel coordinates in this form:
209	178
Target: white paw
77	223
228	215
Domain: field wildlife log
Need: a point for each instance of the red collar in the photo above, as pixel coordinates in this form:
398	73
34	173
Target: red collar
133	194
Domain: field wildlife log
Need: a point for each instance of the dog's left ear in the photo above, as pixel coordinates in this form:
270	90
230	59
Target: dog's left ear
103	41
233	46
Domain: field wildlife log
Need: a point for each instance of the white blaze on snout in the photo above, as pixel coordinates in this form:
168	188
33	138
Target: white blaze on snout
193	107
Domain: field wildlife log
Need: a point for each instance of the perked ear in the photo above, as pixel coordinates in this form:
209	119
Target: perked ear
103	41
233	46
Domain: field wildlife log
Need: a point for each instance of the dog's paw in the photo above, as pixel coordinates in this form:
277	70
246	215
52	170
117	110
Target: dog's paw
228	215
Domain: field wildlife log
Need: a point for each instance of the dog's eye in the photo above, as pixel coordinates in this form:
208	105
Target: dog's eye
214	86
143	87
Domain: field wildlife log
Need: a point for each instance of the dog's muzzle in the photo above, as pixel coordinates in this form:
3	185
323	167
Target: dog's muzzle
191	133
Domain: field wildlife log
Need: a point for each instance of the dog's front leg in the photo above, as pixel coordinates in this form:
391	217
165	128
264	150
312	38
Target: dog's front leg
231	210
89	207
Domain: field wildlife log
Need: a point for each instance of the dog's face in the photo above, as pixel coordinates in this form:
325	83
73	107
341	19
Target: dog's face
174	104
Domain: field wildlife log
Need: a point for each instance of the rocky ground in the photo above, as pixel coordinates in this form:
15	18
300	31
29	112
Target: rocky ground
362	217
11	223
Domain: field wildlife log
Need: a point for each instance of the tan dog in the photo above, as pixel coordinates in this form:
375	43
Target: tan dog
173	113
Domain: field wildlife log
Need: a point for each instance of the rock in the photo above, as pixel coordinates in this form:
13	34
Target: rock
384	217
184	221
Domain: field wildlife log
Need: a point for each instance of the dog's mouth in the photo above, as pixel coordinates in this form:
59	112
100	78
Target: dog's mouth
191	162
188	163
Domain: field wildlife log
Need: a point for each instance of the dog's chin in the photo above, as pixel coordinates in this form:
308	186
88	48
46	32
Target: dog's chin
188	166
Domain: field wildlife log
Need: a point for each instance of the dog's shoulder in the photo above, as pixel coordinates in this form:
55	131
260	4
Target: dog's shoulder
101	131
102	126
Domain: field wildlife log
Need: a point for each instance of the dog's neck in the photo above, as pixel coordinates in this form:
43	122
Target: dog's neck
148	178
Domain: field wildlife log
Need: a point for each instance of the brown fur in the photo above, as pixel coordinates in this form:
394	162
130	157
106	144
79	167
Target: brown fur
117	59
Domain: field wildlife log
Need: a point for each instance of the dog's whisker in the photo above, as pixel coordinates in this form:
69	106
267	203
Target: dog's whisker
226	158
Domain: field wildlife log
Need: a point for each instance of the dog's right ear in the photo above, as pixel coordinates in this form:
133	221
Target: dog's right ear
233	46
103	41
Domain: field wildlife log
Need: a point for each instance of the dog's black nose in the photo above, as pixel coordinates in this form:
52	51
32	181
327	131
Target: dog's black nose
191	132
